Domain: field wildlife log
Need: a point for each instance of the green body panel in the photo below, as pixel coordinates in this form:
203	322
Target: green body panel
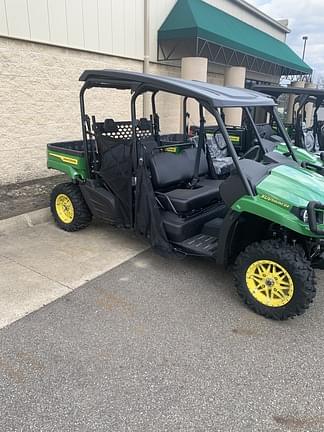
302	155
294	186
284	188
74	166
272	212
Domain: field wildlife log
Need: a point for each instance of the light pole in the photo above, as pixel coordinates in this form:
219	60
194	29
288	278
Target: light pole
305	38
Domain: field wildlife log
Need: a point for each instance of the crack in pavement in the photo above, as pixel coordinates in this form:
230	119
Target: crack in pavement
37	272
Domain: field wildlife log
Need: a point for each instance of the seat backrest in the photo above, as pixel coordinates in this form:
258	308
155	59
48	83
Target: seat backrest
191	153
217	146
171	169
265	130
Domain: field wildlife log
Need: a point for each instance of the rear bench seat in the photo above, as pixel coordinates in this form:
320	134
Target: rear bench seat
171	177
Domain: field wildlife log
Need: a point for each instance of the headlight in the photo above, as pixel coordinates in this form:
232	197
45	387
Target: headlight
302	214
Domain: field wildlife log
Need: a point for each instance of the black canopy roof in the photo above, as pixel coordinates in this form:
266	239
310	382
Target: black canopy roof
217	96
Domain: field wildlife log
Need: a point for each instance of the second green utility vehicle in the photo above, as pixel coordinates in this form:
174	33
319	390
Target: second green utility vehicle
257	213
310	138
308	142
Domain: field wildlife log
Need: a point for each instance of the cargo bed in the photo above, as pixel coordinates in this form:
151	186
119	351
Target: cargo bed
68	157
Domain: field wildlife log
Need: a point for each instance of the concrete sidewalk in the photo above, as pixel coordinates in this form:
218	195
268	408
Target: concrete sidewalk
41	263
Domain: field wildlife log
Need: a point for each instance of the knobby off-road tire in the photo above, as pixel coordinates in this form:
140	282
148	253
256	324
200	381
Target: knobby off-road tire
69	208
275	269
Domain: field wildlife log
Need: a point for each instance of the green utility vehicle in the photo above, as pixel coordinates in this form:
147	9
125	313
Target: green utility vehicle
260	215
308	138
308	141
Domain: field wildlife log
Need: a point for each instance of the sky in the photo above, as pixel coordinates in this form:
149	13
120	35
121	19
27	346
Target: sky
306	17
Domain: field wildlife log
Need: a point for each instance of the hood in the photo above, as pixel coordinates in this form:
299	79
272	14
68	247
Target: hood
290	186
301	154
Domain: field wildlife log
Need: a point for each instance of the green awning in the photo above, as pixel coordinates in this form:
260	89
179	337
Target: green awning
197	19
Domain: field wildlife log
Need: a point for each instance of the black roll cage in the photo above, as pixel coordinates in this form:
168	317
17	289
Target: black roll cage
139	89
202	104
84	124
302	101
303	97
247	111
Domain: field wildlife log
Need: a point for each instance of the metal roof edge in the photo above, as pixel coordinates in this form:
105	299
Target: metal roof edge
262	15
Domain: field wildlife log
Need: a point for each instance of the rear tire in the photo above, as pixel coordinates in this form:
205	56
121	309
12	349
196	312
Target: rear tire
275	279
69	208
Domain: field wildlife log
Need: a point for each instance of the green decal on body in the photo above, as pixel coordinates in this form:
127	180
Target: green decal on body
274	201
72	165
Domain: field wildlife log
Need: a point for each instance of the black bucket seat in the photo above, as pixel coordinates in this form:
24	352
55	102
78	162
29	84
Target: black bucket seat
171	177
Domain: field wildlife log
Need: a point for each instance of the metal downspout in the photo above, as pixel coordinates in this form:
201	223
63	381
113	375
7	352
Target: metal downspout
146	64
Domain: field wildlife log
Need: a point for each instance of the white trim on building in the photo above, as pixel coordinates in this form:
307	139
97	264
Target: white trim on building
112	27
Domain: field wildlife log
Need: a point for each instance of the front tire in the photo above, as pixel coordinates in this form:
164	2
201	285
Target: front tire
69	208
275	279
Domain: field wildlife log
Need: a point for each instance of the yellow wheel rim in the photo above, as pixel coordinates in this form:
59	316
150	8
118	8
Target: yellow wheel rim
64	208
269	283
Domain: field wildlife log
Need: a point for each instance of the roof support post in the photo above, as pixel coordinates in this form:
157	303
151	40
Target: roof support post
234	77
283	132
232	151
309	107
84	128
291	100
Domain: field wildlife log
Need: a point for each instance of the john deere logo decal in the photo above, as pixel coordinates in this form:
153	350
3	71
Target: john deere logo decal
234	138
275	201
65	158
171	149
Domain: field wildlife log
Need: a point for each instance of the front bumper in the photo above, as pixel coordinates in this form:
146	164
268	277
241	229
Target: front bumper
312	208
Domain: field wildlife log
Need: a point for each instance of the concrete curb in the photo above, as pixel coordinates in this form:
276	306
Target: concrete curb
26	220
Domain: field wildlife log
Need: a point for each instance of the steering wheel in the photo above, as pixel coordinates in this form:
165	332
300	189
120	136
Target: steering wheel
253	151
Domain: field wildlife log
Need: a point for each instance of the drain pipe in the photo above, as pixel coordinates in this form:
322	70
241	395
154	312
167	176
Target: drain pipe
146	64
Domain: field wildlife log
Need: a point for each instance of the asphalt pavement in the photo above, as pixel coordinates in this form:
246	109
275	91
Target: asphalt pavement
158	344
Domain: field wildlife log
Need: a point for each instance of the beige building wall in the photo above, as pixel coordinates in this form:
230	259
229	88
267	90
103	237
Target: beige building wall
98	25
252	16
39	90
45	45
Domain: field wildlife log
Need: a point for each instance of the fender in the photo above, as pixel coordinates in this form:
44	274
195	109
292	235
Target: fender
226	236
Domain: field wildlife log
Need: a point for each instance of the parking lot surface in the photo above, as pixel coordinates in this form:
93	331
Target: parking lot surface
159	344
40	263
